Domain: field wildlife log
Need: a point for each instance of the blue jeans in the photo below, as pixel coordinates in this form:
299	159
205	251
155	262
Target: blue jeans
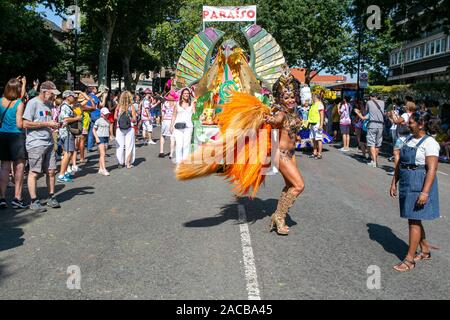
91	138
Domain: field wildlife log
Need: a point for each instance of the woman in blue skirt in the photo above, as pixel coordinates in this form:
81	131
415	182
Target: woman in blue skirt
415	174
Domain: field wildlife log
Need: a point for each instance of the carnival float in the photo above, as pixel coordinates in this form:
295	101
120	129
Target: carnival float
213	78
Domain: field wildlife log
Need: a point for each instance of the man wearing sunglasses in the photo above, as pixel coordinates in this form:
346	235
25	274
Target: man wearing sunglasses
37	120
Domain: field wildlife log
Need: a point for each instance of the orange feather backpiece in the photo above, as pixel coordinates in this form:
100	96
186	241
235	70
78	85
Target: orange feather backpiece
245	140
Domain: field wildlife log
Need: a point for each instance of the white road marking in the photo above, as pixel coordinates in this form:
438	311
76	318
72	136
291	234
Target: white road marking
445	174
249	259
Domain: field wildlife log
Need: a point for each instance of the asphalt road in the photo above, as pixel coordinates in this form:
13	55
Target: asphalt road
140	234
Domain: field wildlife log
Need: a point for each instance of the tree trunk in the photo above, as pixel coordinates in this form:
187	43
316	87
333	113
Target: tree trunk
109	78
126	70
307	76
120	79
103	57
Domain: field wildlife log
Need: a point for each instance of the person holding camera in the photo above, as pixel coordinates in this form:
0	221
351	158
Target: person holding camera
12	142
182	126
66	119
37	120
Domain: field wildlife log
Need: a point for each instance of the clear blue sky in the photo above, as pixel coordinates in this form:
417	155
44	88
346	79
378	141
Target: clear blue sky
49	14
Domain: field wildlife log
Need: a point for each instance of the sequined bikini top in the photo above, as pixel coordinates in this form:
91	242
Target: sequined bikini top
292	122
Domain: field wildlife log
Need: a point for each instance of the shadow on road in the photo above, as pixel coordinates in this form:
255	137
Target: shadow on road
388	240
256	209
11	233
71	193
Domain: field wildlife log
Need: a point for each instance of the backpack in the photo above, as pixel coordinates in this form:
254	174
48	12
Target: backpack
124	121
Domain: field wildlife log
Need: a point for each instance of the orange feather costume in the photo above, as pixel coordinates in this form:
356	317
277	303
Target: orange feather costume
241	122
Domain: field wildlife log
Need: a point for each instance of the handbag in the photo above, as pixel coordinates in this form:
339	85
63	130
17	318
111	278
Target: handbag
180	125
365	124
76	128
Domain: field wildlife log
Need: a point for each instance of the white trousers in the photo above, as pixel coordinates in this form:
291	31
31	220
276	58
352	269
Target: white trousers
183	139
127	145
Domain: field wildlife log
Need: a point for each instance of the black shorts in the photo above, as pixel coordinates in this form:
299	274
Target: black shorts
336	126
12	146
363	137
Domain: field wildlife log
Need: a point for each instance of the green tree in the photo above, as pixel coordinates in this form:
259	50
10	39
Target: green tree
26	45
376	44
136	17
103	14
169	38
316	35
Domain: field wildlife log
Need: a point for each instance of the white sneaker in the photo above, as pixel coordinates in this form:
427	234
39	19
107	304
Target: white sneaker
372	164
75	169
152	142
104	173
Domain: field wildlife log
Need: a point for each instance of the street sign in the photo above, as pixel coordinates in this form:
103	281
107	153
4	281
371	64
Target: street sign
363	79
74	20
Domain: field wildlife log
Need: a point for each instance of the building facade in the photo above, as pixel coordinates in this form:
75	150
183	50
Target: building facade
424	59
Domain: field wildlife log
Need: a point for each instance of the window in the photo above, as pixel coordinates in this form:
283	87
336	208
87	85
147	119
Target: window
438	46
411	54
401	57
395	58
419	52
430	48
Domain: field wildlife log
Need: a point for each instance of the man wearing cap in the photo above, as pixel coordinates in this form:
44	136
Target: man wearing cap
37	120
66	117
